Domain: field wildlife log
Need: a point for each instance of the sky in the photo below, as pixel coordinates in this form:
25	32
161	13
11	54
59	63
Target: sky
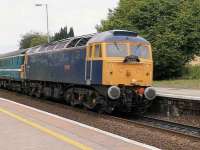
21	16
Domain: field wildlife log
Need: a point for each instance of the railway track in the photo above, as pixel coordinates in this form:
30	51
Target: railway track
172	126
145	121
163	125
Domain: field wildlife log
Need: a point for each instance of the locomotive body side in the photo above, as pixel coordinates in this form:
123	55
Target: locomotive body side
65	66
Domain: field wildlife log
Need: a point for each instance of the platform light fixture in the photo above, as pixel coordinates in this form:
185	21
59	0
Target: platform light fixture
47	14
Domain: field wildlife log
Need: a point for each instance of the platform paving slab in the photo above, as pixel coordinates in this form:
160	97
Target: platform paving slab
26	128
189	94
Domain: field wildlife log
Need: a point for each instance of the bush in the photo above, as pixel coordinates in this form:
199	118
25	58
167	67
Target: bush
191	72
168	64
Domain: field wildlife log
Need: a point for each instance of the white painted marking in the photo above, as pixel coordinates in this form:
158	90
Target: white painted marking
186	97
85	126
14	70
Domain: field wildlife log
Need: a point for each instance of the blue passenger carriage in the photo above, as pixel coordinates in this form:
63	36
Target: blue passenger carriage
10	65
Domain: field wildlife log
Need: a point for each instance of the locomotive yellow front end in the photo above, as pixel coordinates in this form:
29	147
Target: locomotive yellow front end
128	64
127	69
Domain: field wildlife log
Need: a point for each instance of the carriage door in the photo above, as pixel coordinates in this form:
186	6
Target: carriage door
88	65
26	67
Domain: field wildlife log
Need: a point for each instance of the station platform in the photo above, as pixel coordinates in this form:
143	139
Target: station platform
26	128
187	94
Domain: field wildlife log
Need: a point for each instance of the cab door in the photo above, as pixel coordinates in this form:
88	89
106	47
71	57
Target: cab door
88	64
94	63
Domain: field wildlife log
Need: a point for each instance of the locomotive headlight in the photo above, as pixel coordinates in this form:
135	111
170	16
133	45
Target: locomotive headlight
150	93
114	92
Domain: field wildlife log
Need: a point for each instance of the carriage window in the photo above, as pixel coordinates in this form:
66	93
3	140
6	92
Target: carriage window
98	51
140	50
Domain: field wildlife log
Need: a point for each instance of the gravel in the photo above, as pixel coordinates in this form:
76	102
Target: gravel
183	119
163	140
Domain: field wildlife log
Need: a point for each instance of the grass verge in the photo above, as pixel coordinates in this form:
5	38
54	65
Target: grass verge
189	80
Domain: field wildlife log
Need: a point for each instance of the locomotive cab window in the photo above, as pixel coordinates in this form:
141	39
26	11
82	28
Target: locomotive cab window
98	51
141	51
117	50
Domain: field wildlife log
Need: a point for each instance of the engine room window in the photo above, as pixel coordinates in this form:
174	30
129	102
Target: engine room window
140	50
117	50
97	52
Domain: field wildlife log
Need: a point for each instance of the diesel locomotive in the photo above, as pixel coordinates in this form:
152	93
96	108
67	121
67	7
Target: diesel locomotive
106	71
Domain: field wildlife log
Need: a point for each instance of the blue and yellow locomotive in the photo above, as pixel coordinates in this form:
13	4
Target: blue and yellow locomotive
104	71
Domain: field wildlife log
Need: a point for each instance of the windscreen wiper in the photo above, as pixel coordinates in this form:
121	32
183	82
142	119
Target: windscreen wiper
116	45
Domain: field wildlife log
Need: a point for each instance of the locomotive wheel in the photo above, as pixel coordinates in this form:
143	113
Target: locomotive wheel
100	109
90	101
31	92
95	103
38	93
71	97
68	96
100	106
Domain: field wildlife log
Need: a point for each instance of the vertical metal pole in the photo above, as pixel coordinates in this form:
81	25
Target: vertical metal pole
47	22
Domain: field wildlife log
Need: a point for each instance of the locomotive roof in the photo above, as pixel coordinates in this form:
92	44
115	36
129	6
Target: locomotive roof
108	36
62	44
117	35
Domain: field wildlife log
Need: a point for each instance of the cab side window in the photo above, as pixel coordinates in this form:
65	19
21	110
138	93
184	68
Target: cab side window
90	51
98	51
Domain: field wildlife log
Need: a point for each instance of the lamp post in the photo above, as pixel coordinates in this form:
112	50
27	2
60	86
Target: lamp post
46	7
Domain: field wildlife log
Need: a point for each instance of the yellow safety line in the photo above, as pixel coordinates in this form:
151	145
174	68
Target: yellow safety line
46	130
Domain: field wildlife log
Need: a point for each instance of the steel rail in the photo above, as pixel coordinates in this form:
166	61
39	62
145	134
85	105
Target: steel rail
173	126
163	125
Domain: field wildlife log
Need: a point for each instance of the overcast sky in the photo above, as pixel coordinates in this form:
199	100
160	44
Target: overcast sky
21	16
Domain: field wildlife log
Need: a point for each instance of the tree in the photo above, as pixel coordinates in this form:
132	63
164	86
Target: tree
42	39
172	27
32	39
63	34
71	32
